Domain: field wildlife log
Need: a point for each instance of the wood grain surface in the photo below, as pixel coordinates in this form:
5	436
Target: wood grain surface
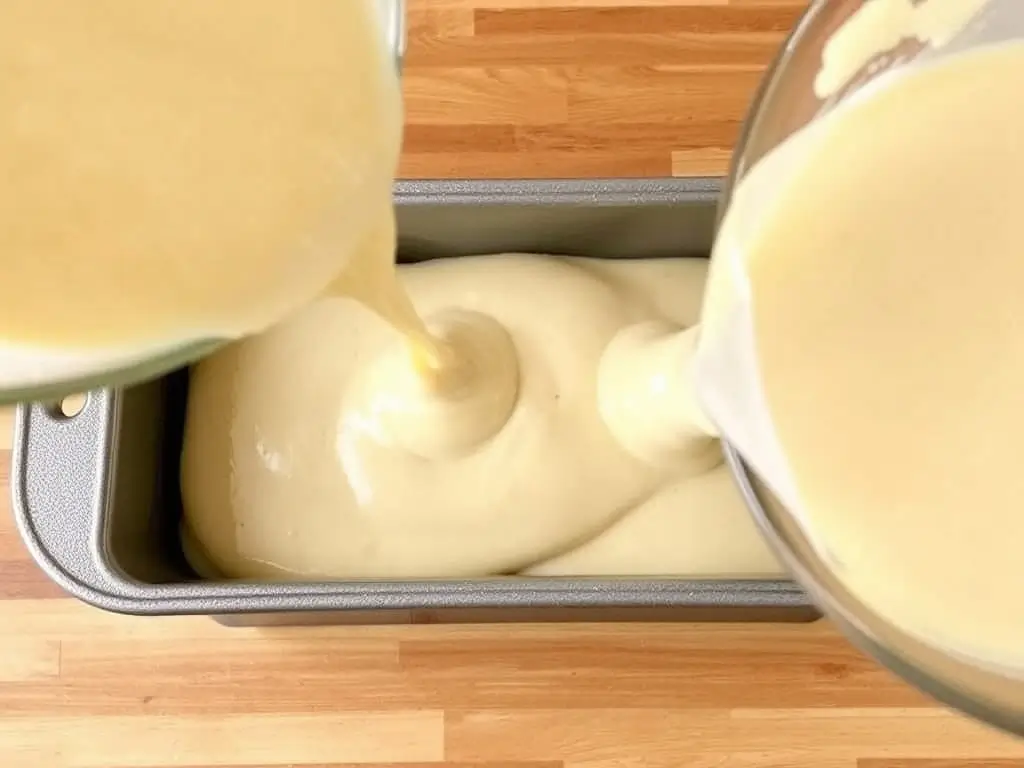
495	88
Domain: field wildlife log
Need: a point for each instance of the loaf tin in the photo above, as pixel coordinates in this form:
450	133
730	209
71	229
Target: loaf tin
96	495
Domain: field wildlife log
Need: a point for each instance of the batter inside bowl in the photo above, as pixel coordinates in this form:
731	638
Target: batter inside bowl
889	335
174	171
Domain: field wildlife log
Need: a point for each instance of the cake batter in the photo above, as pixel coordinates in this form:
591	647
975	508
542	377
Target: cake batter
319	450
885	278
176	170
697	526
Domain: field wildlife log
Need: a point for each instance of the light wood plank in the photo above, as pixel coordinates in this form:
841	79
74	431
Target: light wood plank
116	740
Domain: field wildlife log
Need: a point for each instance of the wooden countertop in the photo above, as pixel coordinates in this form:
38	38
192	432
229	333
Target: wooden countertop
495	88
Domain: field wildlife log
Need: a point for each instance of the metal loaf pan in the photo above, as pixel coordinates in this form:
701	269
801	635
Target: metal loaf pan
96	495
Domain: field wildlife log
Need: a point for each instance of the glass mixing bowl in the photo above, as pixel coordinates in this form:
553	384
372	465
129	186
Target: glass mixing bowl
784	103
122	371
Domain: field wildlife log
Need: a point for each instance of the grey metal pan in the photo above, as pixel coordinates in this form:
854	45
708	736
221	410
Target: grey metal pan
96	499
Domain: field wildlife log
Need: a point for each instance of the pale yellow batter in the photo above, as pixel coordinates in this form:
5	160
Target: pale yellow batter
182	169
319	450
885	273
697	526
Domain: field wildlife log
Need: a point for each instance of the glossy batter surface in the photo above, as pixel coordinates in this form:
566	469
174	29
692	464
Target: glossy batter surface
319	450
